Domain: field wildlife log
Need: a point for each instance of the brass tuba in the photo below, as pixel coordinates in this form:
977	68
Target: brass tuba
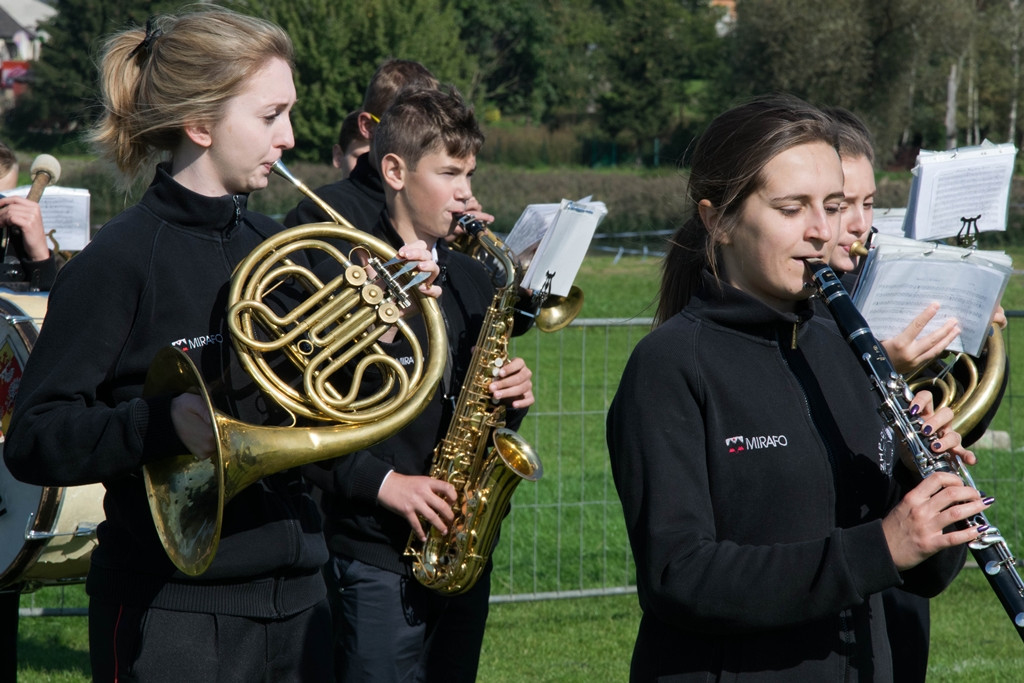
479	456
336	327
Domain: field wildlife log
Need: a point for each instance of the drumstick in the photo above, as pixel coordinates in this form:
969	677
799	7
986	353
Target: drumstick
45	170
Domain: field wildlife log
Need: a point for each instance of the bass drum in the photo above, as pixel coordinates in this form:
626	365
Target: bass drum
47	533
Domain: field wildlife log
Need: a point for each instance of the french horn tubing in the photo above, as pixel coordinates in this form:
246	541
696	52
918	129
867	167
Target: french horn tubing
959	384
330	340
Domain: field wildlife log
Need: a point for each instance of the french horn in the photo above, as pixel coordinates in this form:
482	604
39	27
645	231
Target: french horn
958	382
330	340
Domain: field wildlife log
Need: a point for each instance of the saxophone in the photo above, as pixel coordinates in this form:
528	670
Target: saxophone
479	456
990	549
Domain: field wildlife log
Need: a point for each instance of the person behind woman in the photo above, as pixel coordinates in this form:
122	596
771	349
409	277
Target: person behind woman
27	262
350	145
907	616
909	349
359	196
765	505
211	90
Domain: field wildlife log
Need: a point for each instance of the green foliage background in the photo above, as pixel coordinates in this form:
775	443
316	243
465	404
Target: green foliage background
631	81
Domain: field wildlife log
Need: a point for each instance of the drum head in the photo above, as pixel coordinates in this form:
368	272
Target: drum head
47	533
21	505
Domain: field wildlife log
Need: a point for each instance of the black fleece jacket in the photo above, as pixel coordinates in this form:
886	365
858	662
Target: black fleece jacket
157	275
754	472
359	198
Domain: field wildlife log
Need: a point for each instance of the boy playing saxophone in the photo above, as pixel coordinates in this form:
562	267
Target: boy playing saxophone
387	626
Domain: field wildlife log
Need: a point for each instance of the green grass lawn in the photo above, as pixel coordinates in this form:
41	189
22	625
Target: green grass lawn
590	639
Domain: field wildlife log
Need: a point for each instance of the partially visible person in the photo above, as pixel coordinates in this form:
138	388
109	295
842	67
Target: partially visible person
360	196
908	350
767	503
907	616
390	627
350	146
209	91
28	262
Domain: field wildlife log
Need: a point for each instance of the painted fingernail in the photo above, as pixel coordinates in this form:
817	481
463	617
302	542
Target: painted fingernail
936	446
927	430
915	409
983	528
988	501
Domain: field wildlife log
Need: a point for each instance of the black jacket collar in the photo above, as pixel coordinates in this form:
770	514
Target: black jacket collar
722	304
180	206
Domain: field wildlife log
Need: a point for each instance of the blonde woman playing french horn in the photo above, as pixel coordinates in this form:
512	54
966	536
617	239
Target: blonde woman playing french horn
907	615
210	91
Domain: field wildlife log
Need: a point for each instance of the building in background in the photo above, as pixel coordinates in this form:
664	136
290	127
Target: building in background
20	44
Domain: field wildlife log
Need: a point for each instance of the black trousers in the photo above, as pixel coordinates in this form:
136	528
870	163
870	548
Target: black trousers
9	603
138	644
389	628
908	621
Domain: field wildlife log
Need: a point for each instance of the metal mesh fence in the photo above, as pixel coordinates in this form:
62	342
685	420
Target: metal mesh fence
565	536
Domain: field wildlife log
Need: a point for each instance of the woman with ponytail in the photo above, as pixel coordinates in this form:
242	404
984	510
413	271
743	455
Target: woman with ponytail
765	505
206	94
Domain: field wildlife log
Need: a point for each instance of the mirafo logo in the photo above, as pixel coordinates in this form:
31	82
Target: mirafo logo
198	342
735	444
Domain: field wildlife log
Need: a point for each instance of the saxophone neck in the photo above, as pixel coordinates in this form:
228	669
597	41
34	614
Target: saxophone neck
496	248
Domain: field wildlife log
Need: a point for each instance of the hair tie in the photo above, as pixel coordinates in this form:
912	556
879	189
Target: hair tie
146	46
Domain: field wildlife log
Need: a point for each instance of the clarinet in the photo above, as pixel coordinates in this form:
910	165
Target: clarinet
989	549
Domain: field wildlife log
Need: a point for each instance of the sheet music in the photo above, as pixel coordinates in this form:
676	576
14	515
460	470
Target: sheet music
965	183
65	210
530	228
563	245
902	277
889	221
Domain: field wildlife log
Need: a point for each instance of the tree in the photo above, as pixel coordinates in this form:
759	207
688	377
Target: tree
512	42
815	50
338	46
63	94
652	49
